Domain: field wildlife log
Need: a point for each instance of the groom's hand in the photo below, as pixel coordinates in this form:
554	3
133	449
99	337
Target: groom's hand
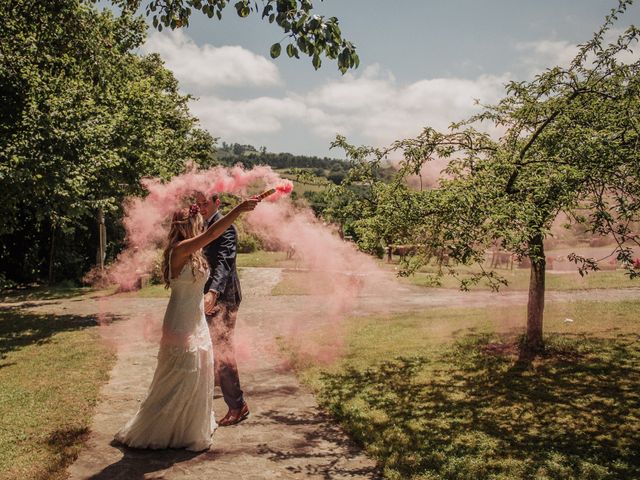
210	299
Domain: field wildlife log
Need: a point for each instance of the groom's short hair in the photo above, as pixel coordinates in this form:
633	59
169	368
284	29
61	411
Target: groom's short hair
214	197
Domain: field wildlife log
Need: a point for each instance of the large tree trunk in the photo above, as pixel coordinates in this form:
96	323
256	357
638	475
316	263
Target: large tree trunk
535	308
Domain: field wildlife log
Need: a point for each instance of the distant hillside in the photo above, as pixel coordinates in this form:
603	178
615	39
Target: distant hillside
249	156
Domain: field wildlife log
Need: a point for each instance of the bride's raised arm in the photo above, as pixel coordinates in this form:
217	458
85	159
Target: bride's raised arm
186	247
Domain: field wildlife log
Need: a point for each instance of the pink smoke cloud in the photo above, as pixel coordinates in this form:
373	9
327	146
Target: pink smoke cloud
336	274
146	218
336	270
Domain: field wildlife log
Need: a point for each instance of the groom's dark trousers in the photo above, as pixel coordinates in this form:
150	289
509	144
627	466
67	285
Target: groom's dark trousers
223	280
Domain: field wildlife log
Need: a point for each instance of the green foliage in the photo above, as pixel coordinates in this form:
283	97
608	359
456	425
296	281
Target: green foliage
308	33
83	119
260	258
156	276
275	50
372	208
6	283
309	173
248	244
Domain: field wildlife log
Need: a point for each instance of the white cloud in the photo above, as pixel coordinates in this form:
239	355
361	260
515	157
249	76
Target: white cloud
207	66
626	56
371	106
543	54
233	118
368	106
383	110
354	92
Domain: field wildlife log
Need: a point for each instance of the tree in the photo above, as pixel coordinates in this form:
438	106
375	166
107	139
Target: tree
310	34
83	119
571	146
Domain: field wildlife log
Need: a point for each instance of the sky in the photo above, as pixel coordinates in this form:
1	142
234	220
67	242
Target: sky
422	63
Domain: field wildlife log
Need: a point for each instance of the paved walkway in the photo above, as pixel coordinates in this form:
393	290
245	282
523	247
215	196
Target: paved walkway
287	436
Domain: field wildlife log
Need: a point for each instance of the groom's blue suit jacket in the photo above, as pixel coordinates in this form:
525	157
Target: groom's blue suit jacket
221	256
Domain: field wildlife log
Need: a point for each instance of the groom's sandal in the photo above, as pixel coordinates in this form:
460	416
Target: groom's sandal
235	415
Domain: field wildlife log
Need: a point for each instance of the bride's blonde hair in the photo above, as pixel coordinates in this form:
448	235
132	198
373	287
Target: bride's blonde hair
185	223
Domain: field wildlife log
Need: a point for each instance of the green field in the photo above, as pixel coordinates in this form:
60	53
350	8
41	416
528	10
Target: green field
261	258
298	282
301	283
51	369
518	279
440	394
299	187
151	291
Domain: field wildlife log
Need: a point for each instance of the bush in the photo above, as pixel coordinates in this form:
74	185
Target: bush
156	270
6	283
248	243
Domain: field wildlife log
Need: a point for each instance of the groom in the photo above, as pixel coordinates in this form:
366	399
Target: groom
222	298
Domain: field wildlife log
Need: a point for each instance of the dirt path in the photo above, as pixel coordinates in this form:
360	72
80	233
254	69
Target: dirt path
409	297
286	437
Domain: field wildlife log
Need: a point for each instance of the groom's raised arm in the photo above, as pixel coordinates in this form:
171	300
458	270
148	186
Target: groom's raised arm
224	261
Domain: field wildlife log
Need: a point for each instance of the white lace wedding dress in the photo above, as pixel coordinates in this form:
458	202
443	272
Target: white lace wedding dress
178	409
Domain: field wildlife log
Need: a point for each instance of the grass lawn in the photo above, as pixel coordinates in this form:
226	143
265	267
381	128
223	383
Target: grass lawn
301	283
158	290
440	394
519	280
264	259
150	291
51	369
292	284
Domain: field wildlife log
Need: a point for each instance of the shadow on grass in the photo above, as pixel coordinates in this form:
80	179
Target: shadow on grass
62	439
42	293
475	412
19	329
65	444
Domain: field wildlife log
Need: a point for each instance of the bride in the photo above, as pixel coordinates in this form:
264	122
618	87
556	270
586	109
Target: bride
178	409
